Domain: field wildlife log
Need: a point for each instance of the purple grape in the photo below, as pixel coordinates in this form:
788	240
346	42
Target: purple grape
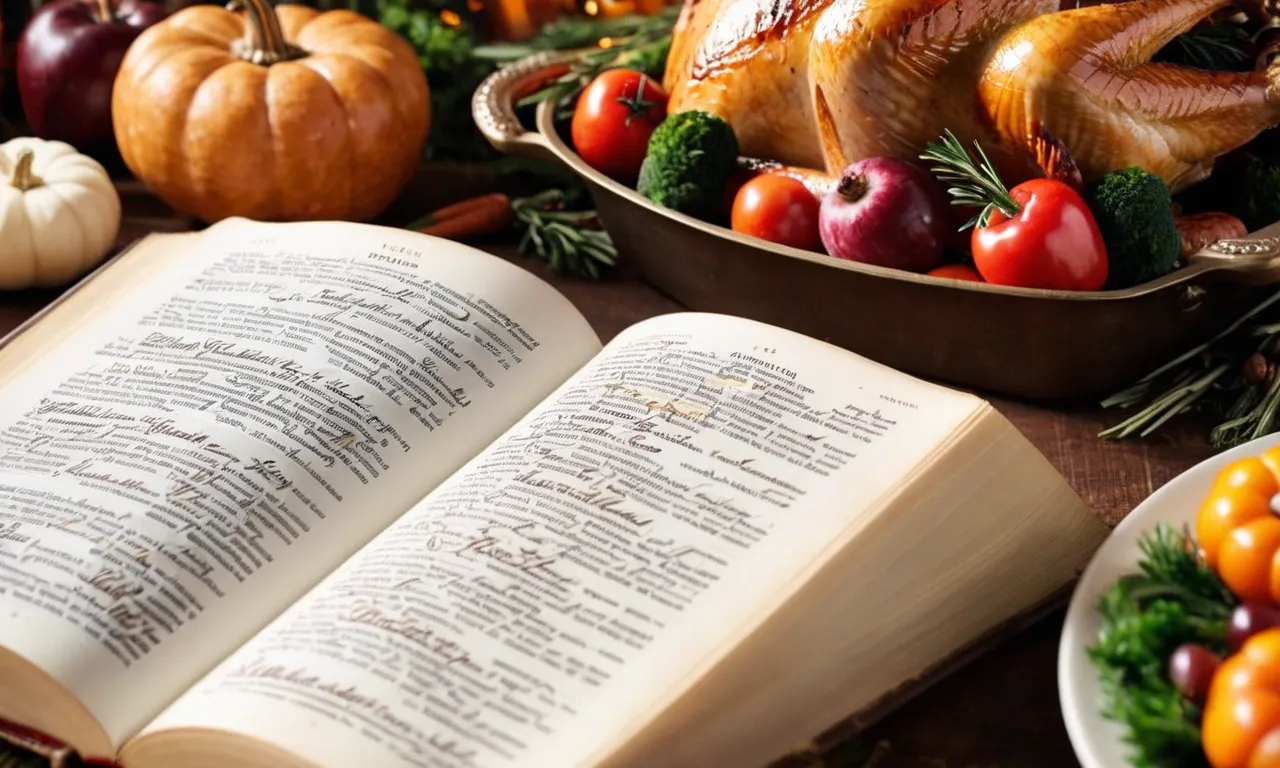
1247	620
1191	669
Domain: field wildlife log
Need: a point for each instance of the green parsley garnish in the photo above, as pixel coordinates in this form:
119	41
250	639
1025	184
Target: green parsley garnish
1174	599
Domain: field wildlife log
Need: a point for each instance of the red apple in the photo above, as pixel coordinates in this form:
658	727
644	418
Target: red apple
67	61
885	212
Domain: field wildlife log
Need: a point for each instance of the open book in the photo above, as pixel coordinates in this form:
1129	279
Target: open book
337	495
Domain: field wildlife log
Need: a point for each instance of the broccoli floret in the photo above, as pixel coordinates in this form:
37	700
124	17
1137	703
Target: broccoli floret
691	157
1134	211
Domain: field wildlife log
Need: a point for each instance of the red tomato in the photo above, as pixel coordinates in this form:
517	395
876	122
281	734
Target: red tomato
1053	241
613	120
778	209
956	272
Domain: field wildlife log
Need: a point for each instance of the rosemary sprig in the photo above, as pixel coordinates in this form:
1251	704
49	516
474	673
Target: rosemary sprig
1187	389
639	42
571	242
1231	374
1132	394
1255	416
569	32
974	184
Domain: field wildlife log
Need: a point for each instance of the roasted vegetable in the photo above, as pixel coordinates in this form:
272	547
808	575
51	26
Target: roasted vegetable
1236	530
690	159
1134	210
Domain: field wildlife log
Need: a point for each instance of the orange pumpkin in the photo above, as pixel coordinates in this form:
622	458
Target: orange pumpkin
1241	725
277	116
1238	531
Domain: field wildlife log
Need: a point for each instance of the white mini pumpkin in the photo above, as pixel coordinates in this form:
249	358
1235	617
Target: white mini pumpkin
59	214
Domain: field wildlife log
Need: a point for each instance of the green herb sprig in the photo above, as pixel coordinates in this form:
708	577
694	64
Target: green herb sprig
635	41
570	32
975	184
1231	376
571	242
1173	599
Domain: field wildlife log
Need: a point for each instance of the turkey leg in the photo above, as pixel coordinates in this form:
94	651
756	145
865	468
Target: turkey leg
1086	77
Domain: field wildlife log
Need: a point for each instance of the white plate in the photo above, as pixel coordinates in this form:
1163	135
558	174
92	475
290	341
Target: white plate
1098	742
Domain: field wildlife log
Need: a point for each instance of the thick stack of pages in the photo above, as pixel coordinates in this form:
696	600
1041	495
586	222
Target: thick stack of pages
336	495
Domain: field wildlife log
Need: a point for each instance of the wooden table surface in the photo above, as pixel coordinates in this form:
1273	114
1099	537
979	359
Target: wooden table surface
999	712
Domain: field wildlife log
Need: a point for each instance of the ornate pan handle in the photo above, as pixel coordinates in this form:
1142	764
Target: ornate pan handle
1253	256
493	105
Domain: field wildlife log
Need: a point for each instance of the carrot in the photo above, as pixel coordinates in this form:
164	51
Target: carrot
476	217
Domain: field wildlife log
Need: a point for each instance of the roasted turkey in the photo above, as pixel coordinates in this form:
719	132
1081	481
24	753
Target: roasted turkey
1086	77
820	83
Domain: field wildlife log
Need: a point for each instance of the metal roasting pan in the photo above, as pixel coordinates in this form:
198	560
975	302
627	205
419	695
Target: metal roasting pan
1026	343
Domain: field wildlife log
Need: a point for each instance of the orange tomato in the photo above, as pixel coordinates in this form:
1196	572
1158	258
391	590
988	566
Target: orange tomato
1238	532
1241	725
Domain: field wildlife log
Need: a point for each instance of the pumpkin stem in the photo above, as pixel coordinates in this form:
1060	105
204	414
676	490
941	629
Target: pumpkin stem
104	11
22	178
264	41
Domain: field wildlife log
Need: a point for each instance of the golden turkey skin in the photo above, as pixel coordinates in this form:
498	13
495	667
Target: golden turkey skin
1086	77
821	83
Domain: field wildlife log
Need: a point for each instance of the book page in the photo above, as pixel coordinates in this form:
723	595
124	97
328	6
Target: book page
253	410
668	494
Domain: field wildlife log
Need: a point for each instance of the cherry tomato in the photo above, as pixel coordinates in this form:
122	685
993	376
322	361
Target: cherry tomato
1236	530
1052	242
956	272
779	209
1241	722
613	119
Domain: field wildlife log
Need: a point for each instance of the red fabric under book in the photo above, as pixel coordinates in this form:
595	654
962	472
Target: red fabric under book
59	754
